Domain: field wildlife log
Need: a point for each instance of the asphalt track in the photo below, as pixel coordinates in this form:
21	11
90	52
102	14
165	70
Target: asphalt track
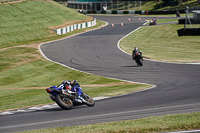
96	52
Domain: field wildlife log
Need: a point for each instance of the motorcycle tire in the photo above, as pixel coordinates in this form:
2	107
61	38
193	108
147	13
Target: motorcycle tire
52	97
63	101
140	62
88	100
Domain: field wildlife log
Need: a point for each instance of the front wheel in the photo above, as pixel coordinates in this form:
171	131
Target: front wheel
88	100
63	101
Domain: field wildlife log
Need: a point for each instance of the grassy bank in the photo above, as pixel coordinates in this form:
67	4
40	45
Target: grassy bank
156	5
152	124
26	22
24	73
161	42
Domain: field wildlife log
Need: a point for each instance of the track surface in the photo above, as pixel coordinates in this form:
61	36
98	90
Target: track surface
96	52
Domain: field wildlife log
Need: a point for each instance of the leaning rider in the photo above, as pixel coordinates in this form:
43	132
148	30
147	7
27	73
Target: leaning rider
136	50
69	86
154	20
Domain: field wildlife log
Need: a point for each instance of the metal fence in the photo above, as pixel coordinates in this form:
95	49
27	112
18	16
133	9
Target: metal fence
103	6
191	22
192	17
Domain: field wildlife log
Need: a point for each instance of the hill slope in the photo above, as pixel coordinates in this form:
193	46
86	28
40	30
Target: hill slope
160	5
28	21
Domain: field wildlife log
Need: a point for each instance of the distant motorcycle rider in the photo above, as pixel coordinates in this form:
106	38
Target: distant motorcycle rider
177	13
136	50
154	20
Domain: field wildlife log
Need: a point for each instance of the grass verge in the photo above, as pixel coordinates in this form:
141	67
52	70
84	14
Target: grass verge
159	21
166	20
23	68
32	97
161	42
146	125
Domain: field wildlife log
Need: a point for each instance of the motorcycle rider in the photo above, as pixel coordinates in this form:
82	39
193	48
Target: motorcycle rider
154	20
177	13
136	50
69	86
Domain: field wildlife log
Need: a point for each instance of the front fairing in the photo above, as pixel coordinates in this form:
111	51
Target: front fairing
78	90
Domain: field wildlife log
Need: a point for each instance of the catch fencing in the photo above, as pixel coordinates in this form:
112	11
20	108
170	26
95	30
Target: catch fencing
191	22
103	6
192	17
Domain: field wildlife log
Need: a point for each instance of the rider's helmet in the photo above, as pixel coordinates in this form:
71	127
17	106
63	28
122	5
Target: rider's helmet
68	84
136	48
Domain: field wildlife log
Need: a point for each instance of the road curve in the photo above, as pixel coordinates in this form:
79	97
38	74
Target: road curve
96	52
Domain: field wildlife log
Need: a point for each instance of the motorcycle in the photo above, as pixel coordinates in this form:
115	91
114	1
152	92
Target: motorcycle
138	58
152	23
66	99
177	14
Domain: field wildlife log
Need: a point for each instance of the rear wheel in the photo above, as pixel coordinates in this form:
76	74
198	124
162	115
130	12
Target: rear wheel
63	101
137	62
140	62
88	100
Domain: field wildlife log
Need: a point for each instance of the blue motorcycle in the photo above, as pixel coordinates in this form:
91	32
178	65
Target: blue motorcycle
66	98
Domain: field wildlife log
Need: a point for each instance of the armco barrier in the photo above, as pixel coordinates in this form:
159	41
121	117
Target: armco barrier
189	32
113	12
163	12
75	27
193	21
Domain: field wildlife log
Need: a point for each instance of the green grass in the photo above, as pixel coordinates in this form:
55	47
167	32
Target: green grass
26	68
151	5
23	68
24	98
190	3
31	97
167	20
167	15
110	91
155	5
164	21
26	21
151	124
161	42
